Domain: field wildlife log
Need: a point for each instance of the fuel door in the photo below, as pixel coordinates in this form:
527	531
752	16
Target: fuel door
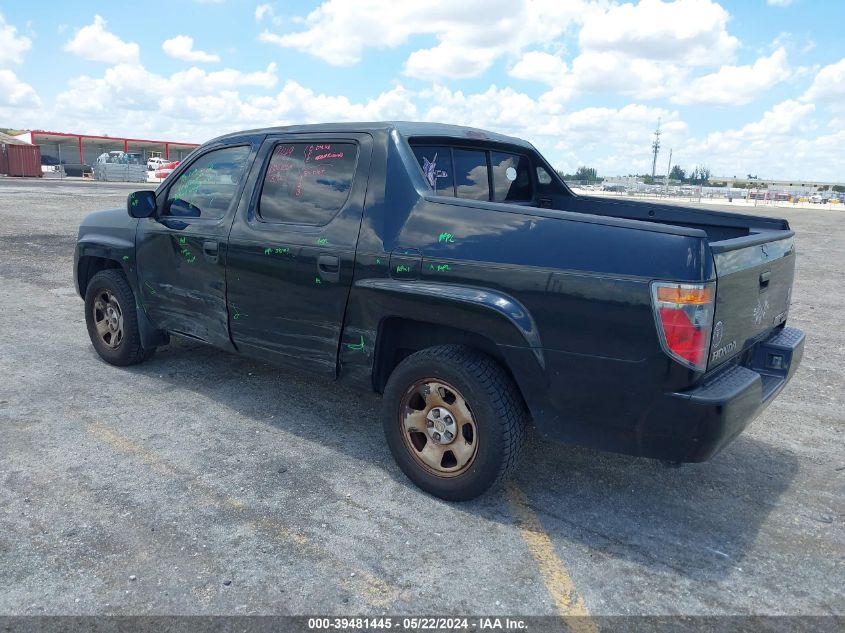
405	263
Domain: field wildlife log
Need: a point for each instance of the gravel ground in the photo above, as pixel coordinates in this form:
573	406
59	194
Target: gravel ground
205	483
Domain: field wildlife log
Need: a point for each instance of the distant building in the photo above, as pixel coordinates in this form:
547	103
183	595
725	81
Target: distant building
795	185
84	148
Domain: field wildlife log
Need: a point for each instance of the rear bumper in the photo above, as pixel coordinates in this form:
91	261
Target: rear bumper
696	424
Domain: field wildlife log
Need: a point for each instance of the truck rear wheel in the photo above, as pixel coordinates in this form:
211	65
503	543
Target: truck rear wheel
112	319
454	420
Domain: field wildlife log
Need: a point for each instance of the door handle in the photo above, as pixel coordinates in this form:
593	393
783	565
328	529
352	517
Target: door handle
764	279
328	266
210	250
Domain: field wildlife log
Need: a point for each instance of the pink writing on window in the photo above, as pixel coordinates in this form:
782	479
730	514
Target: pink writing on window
329	155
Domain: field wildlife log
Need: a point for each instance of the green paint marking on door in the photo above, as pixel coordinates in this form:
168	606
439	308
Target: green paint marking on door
149	288
236	313
317	280
322	241
378	260
268	251
446	237
183	240
125	258
358	347
403	269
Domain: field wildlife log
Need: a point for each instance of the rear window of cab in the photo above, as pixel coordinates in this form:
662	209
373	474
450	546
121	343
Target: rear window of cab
475	174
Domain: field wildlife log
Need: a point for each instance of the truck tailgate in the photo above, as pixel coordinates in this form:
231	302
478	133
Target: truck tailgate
753	289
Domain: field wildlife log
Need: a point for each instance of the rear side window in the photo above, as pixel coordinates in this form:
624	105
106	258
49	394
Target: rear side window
511	177
471	174
543	176
307	183
206	188
436	164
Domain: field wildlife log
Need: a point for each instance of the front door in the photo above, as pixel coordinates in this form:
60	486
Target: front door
181	252
292	251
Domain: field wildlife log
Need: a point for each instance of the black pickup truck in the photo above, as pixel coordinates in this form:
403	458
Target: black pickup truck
453	271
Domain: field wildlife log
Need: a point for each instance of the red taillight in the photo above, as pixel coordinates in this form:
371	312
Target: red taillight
684	315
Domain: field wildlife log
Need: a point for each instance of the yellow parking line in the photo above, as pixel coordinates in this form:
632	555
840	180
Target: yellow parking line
377	592
568	602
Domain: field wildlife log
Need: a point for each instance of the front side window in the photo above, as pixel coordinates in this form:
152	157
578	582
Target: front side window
511	177
307	183
208	186
436	164
471	174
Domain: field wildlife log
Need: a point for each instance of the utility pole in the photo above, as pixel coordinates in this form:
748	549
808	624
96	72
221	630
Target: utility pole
668	169
655	147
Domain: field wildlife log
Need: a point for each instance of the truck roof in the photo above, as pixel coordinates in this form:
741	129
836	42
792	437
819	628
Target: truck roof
405	128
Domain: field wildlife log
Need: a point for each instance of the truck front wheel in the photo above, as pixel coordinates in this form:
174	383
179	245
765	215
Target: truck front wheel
454	420
112	319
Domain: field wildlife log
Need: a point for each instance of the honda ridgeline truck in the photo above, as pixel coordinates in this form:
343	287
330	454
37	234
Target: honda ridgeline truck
451	270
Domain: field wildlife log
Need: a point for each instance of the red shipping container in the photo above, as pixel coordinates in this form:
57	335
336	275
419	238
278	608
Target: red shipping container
23	160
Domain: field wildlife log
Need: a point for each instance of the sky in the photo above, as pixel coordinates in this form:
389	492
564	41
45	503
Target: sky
747	86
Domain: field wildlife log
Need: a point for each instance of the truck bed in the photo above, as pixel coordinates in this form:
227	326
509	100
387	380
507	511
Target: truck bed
719	226
754	258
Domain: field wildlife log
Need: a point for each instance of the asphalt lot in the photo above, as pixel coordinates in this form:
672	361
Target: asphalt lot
204	483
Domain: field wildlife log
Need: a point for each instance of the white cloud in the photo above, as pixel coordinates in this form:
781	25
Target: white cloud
617	73
95	43
182	47
127	87
450	60
16	96
338	31
647	51
539	66
196	80
14	92
777	145
503	110
779	3
691	32
196	105
12	45
828	86
263	11
736	85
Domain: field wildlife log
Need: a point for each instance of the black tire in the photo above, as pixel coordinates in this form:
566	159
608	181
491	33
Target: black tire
498	414
126	348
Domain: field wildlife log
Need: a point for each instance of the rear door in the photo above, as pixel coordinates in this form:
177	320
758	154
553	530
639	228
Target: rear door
291	250
181	251
754	286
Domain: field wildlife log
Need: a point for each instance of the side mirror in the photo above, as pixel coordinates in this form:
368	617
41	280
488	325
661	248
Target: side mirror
141	204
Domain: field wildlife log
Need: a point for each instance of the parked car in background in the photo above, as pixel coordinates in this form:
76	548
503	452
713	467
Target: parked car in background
52	161
78	170
166	168
816	198
156	163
